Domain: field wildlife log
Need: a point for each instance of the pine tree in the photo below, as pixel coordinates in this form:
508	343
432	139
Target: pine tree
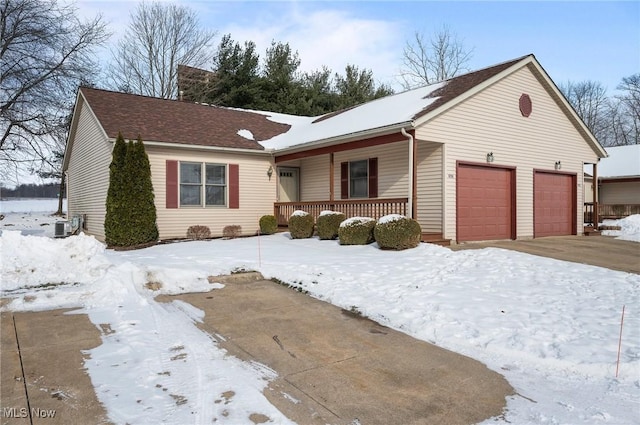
144	206
113	226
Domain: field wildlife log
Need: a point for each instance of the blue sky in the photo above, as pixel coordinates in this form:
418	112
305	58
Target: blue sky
572	40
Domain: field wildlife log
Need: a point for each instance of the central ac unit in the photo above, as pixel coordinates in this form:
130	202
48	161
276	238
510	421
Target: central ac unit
61	229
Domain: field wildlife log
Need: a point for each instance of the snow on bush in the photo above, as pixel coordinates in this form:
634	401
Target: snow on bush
301	225
356	231
355	221
389	218
328	224
397	232
328	212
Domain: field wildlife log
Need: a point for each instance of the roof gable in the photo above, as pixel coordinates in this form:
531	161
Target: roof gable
173	121
402	110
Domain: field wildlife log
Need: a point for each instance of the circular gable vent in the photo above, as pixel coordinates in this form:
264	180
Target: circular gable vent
525	105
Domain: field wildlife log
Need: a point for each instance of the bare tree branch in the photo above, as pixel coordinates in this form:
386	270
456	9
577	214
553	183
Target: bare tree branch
161	36
430	61
45	53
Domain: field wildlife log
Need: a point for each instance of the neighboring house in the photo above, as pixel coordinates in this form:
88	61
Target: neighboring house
493	154
618	182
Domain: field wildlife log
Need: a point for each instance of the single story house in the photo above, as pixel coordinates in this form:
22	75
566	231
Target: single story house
618	189
496	153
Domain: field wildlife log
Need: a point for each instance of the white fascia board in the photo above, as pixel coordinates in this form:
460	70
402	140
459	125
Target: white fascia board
344	138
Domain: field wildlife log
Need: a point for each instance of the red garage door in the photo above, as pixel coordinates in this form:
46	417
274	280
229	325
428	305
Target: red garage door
485	199
554	203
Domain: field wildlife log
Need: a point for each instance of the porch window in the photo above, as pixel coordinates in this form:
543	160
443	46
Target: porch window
200	181
358	179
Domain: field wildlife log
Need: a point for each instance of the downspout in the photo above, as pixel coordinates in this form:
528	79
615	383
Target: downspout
410	175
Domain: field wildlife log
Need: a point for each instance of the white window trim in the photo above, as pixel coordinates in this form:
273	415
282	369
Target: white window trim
203	185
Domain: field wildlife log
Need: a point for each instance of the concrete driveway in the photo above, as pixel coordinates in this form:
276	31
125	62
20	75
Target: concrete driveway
600	251
335	367
43	380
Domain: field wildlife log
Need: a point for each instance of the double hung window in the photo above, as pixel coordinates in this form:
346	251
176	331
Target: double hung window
203	182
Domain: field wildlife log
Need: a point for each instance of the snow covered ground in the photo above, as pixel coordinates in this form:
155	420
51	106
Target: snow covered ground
630	228
550	327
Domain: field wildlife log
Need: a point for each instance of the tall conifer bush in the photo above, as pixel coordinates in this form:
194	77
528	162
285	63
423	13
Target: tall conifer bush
144	208
133	211
115	203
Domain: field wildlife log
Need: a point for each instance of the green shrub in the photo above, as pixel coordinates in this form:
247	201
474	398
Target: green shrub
131	211
115	205
268	225
328	224
198	232
356	231
397	232
301	225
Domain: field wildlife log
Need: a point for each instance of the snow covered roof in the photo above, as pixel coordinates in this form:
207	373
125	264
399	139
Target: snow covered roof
188	123
387	113
623	161
390	111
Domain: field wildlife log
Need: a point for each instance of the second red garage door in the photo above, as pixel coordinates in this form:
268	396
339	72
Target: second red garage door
485	203
554	203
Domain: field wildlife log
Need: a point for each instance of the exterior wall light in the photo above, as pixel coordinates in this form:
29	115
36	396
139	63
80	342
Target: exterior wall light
270	172
558	165
490	157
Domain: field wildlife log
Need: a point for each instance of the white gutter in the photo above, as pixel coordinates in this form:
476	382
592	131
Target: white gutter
204	147
410	176
335	140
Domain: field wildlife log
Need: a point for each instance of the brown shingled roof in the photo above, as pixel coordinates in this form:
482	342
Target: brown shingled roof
172	121
458	85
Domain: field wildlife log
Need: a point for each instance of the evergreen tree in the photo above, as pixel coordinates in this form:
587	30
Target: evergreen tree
281	88
144	207
131	212
115	195
357	86
237	75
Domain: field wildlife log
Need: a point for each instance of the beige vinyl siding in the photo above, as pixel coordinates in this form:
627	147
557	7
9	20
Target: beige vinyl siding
429	187
314	178
588	189
393	165
490	121
88	173
257	193
620	193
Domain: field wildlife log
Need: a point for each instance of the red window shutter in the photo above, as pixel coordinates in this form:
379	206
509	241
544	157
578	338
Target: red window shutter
344	180
373	177
172	184
234	186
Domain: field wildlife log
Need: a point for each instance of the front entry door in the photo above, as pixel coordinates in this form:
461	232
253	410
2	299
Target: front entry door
289	184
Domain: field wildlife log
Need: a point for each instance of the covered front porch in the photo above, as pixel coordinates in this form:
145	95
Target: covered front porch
370	177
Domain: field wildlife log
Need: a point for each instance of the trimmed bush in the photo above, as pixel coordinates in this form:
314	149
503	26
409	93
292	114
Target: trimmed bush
268	225
356	231
328	224
198	232
397	232
232	231
300	225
